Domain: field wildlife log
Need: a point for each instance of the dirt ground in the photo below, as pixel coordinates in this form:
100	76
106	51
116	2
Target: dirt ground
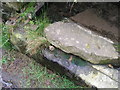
12	70
108	11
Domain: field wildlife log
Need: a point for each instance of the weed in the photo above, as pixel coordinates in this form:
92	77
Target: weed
46	80
29	9
5	37
37	36
4	60
31	22
42	22
117	46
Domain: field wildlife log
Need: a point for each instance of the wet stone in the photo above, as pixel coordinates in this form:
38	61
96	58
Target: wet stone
89	74
72	67
65	63
83	70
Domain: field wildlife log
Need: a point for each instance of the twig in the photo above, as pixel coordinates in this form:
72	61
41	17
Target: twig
71	7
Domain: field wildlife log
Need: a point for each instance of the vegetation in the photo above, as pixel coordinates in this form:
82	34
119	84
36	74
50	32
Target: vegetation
29	9
46	78
34	74
5	38
6	59
37	36
117	46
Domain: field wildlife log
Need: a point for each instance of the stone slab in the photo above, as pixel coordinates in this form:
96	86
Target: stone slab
78	40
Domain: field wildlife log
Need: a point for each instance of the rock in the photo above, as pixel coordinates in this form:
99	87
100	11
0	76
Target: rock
15	5
96	23
38	6
80	41
96	78
99	76
112	73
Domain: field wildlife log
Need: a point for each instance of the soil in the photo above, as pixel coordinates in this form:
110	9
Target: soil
12	70
59	10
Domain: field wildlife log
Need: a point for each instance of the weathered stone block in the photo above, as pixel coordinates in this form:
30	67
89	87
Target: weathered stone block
80	41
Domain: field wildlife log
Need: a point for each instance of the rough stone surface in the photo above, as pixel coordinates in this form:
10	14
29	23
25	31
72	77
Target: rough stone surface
99	25
80	41
96	78
112	73
99	76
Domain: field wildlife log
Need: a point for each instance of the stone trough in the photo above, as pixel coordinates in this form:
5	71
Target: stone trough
100	76
89	51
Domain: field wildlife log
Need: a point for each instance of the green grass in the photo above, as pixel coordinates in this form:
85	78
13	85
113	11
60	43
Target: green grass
117	46
5	37
4	60
37	36
41	22
29	9
44	79
7	58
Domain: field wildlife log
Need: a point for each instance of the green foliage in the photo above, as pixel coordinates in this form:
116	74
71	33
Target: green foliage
42	22
117	46
45	78
4	38
37	35
4	60
31	22
29	9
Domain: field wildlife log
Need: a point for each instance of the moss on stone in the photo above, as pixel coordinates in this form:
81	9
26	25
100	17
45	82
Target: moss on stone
105	61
